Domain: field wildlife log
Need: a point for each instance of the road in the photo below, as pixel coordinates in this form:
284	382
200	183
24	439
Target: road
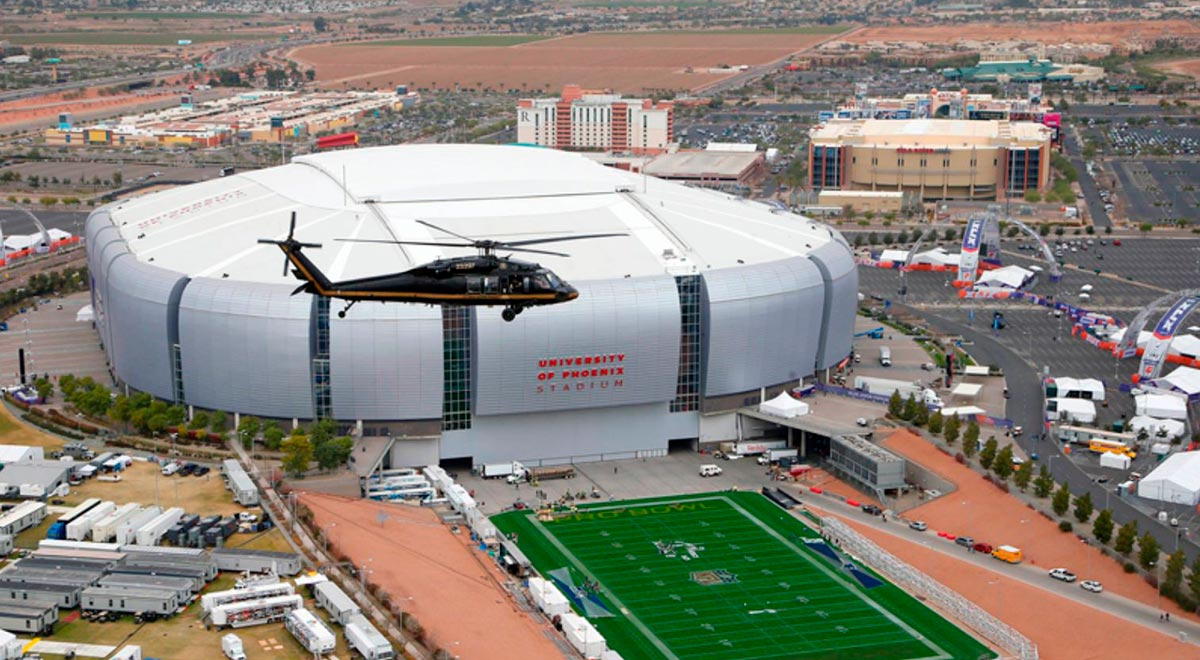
1120	606
1091	194
92	82
1025	409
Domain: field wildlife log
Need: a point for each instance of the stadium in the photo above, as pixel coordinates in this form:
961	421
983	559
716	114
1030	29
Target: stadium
706	303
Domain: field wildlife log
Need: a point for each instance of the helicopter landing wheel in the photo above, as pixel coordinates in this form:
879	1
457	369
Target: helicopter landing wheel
510	313
342	313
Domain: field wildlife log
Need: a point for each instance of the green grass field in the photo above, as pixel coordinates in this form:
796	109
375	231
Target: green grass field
476	41
747	588
99	38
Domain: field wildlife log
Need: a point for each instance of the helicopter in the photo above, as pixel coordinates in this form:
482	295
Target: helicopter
484	279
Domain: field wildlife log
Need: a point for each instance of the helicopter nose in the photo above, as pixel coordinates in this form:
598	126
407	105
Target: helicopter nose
570	293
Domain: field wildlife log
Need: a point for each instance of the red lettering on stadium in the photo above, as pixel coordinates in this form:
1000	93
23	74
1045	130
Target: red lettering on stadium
922	150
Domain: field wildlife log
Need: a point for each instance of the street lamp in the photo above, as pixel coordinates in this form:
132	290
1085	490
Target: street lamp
362	573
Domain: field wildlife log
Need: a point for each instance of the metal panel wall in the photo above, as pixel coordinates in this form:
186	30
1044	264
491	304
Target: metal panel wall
763	324
138	296
836	263
386	362
109	246
245	348
617	344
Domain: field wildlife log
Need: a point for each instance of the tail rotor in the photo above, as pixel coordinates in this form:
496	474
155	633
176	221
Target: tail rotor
290	244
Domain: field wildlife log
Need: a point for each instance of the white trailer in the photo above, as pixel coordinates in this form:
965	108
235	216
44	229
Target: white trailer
244	490
78	529
752	447
498	470
886	386
216	599
152	532
254	612
127	531
105	529
407	480
21	517
312	634
332	599
380	475
369	642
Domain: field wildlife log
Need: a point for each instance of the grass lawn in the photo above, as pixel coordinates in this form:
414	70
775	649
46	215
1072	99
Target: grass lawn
185	635
724	576
105	38
13	431
476	41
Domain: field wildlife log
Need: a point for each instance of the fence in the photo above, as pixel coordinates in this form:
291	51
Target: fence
989	627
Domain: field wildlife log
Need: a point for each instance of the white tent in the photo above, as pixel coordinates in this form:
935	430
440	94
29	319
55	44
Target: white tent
1078	388
1080	410
783	406
85	314
1118	461
898	256
1160	405
1176	480
1008	277
963	411
1185	380
1157	428
968	390
1188	345
976	370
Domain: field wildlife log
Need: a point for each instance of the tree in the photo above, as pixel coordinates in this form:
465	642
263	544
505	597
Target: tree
117	178
921	416
272	436
1148	551
1125	538
1174	576
1194	579
1102	527
297	454
951	428
216	421
248	429
950	234
1033	196
44	388
333	452
320	24
1023	475
936	422
988	455
1044	484
910	408
1145	227
971	436
1062	499
896	405
199	421
1002	466
48	201
1084	507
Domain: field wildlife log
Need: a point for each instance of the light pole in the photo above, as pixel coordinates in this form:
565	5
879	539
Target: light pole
362	573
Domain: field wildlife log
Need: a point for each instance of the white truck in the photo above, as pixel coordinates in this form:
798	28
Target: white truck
751	447
498	470
885	387
231	644
775	455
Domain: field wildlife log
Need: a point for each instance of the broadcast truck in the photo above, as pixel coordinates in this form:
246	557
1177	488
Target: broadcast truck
885	387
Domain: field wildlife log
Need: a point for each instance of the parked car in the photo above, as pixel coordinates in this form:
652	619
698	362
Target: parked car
1092	586
201	470
965	541
871	509
985	548
918	525
1062	574
187	469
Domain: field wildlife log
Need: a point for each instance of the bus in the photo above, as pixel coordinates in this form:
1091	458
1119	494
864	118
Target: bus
1102	446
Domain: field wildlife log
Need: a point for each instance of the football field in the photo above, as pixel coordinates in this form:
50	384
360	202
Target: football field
725	576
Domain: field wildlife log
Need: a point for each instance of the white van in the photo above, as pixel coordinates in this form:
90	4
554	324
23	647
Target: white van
885	356
170	468
710	470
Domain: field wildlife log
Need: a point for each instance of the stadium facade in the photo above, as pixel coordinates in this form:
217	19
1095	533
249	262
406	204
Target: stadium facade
705	302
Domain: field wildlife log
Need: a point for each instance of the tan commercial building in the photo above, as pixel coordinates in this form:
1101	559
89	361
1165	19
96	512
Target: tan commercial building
935	158
587	119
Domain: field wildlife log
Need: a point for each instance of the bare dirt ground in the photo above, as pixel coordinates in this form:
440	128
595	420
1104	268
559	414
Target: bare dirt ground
144	484
47	108
1181	67
630	63
452	589
1063	629
980	510
1110	32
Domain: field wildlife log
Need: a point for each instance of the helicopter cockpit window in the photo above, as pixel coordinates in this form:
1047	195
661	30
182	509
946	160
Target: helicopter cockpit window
539	282
554	282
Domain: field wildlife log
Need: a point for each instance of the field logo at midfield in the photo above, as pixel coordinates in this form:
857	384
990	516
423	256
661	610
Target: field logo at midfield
714	578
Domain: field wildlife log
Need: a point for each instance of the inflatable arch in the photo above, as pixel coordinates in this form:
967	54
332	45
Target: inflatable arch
1155	353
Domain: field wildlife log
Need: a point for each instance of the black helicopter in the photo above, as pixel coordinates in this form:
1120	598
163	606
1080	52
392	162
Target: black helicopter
485	279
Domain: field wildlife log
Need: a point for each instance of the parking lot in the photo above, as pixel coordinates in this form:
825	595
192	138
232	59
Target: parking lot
1155	138
1159	190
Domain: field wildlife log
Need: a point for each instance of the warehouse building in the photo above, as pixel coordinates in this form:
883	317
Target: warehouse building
27	617
18	453
256	561
870	466
705	301
938	159
711	169
32	479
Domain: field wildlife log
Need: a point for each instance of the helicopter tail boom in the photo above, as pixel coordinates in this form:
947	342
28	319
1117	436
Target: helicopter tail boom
302	267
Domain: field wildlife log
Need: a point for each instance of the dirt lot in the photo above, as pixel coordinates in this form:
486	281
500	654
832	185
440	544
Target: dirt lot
980	510
47	108
436	575
203	495
1181	67
631	63
1109	32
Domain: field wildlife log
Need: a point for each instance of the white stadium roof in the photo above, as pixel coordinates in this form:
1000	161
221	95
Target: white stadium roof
211	229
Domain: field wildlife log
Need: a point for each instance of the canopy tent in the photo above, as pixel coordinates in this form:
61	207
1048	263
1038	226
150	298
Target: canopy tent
1008	277
1160	405
1185	380
897	256
1079	410
1076	388
85	314
968	390
783	406
1176	480
1187	345
976	370
1157	428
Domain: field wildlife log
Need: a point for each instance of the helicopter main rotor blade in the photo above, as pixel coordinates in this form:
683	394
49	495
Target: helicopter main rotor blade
536	241
556	254
446	231
391	242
